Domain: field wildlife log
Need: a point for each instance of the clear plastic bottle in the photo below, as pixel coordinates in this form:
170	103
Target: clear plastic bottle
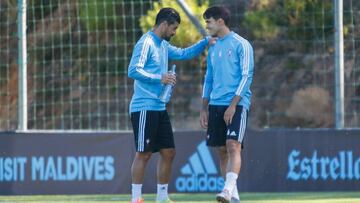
167	90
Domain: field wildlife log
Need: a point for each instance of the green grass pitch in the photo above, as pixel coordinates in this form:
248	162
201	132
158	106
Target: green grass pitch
306	197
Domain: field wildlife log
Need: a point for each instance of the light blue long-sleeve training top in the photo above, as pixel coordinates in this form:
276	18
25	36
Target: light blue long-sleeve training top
148	62
230	68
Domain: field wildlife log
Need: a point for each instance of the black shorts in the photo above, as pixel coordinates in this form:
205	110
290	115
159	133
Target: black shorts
152	131
218	132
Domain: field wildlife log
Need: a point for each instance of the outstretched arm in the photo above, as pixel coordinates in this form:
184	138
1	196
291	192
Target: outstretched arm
177	53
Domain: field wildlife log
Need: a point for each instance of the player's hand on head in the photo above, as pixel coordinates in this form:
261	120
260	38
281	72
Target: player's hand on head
168	78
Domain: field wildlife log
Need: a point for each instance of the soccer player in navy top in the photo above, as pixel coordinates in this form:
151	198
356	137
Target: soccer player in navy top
226	96
151	125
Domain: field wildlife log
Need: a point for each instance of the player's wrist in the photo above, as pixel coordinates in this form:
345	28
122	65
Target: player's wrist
232	106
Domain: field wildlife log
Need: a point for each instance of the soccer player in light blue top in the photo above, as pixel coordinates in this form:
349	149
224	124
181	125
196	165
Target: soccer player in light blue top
150	121
226	97
149	67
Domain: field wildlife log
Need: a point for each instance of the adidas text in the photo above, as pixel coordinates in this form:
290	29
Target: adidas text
199	183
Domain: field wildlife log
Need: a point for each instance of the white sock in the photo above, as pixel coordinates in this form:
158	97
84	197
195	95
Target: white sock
135	191
235	193
230	181
162	192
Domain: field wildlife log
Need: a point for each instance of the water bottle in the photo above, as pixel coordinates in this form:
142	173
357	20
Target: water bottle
167	90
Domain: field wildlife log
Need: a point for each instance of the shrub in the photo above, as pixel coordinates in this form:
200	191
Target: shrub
311	107
186	33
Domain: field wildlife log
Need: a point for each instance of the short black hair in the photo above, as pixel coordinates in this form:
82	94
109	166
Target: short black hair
169	15
217	12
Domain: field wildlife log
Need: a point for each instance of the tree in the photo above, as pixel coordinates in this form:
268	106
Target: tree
187	33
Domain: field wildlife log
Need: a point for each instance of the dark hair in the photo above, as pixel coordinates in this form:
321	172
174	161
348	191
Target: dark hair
217	12
169	15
